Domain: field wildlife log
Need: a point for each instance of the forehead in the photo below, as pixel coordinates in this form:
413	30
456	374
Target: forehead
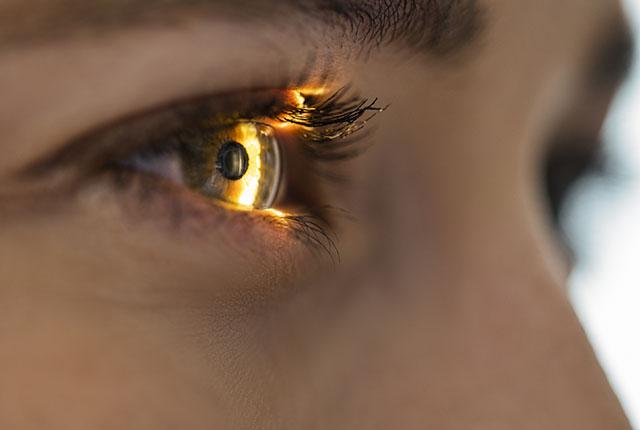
32	16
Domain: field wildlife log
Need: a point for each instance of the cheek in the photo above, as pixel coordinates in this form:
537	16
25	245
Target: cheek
86	365
125	247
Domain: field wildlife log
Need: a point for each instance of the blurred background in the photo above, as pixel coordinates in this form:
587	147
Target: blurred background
603	222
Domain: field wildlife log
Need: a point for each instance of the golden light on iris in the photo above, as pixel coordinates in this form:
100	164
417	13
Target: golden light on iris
245	191
260	163
239	165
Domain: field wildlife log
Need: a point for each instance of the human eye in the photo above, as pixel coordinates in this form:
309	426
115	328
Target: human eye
238	163
258	154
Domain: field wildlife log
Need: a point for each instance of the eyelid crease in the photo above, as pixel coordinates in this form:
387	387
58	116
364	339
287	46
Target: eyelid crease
322	121
121	137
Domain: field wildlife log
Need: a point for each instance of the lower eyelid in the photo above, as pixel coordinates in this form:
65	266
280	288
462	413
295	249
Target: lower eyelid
144	197
144	194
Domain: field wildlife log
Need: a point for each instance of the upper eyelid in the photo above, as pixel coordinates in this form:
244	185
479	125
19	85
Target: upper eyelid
335	115
119	138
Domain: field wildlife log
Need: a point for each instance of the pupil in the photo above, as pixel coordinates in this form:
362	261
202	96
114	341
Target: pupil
233	161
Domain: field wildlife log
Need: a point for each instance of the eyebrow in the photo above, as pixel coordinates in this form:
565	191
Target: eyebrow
438	27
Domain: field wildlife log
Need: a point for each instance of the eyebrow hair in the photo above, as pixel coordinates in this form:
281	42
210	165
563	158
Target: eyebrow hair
437	27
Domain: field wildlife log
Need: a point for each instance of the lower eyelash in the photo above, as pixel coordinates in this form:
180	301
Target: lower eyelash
314	232
195	212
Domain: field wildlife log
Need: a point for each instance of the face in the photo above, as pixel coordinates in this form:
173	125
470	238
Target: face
315	214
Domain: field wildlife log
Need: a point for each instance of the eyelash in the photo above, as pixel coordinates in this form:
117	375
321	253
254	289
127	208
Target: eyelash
326	128
334	118
330	126
327	125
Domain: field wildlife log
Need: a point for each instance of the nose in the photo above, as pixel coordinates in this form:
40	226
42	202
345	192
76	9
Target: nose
497	348
462	326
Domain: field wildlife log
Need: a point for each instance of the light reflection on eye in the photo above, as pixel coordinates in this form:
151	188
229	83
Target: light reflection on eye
277	213
255	182
239	165
299	99
301	95
246	191
249	179
238	162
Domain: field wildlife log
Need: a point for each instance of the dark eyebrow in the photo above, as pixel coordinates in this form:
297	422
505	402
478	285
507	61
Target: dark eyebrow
435	26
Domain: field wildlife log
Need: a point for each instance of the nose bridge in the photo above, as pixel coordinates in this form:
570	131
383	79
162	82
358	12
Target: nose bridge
495	333
471	328
497	351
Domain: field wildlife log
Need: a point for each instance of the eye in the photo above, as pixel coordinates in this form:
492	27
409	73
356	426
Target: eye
238	164
248	151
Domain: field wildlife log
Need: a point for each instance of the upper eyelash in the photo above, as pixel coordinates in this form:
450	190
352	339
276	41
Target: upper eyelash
335	117
323	121
326	123
328	127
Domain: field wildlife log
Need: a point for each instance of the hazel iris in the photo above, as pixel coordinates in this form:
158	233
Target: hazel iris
238	164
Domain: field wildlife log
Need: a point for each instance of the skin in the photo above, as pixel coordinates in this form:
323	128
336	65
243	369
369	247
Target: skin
447	310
